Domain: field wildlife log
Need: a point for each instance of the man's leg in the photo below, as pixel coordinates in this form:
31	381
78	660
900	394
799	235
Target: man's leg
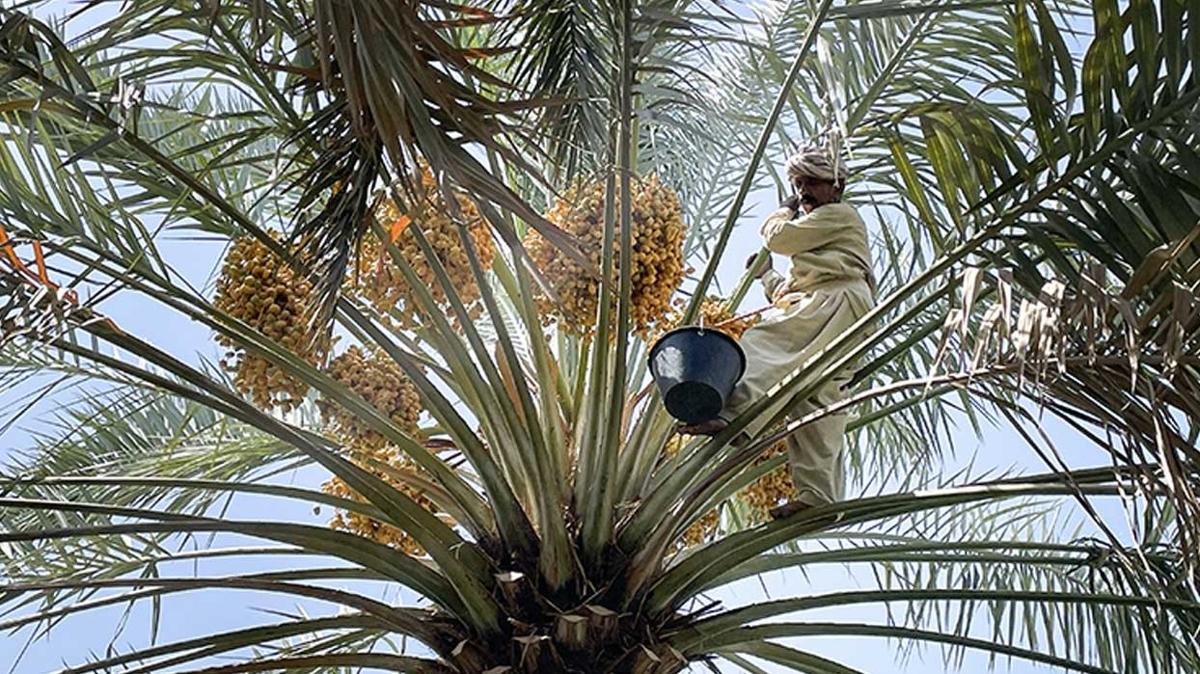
815	455
815	459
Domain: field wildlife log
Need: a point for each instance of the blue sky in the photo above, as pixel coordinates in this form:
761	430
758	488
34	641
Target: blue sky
197	613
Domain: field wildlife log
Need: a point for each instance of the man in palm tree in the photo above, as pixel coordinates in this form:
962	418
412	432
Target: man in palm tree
827	290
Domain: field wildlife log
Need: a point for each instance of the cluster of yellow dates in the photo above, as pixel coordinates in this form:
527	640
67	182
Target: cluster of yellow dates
376	277
657	269
261	290
381	382
371	528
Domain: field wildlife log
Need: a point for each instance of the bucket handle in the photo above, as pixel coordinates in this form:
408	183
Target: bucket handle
735	319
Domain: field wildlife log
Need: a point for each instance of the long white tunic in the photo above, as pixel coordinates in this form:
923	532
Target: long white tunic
826	291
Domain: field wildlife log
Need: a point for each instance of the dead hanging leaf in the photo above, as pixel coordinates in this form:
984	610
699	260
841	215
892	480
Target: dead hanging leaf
1130	319
1037	339
993	317
464	22
1050	344
397	228
459	7
972	278
1004	290
1148	271
485	53
958	322
1091	307
1024	335
1184	312
653	657
1157	263
949	328
995	328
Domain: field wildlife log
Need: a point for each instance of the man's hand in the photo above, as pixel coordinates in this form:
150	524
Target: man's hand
763	267
792	203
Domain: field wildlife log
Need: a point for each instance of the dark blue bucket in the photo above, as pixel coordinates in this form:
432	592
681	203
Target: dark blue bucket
696	369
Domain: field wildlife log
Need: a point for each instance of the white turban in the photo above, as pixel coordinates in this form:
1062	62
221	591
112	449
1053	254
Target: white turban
816	161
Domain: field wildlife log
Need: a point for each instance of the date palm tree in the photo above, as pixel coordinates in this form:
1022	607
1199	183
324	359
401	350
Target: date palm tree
1034	188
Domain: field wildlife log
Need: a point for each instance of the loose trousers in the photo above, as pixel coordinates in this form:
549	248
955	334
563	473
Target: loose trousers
782	344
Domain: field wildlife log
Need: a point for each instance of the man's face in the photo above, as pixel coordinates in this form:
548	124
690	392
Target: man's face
815	192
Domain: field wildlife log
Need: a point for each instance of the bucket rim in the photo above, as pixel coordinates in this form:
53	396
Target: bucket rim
693	329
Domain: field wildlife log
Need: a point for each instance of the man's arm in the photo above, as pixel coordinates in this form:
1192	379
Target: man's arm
772	281
786	234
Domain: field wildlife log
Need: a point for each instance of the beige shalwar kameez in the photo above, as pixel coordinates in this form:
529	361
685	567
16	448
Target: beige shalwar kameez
827	291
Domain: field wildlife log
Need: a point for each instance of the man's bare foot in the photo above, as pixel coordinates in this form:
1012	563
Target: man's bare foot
710	427
788	509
